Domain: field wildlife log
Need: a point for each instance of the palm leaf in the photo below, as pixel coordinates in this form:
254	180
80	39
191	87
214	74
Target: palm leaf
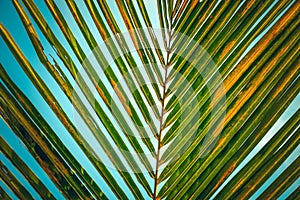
168	103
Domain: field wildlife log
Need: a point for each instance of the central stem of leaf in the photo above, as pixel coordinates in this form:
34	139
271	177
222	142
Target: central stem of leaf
161	117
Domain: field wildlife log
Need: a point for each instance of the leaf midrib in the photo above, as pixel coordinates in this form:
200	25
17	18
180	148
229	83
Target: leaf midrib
164	95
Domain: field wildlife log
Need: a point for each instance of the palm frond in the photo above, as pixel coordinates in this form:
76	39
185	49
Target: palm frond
168	104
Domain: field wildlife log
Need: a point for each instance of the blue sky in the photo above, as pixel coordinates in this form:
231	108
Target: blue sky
9	18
